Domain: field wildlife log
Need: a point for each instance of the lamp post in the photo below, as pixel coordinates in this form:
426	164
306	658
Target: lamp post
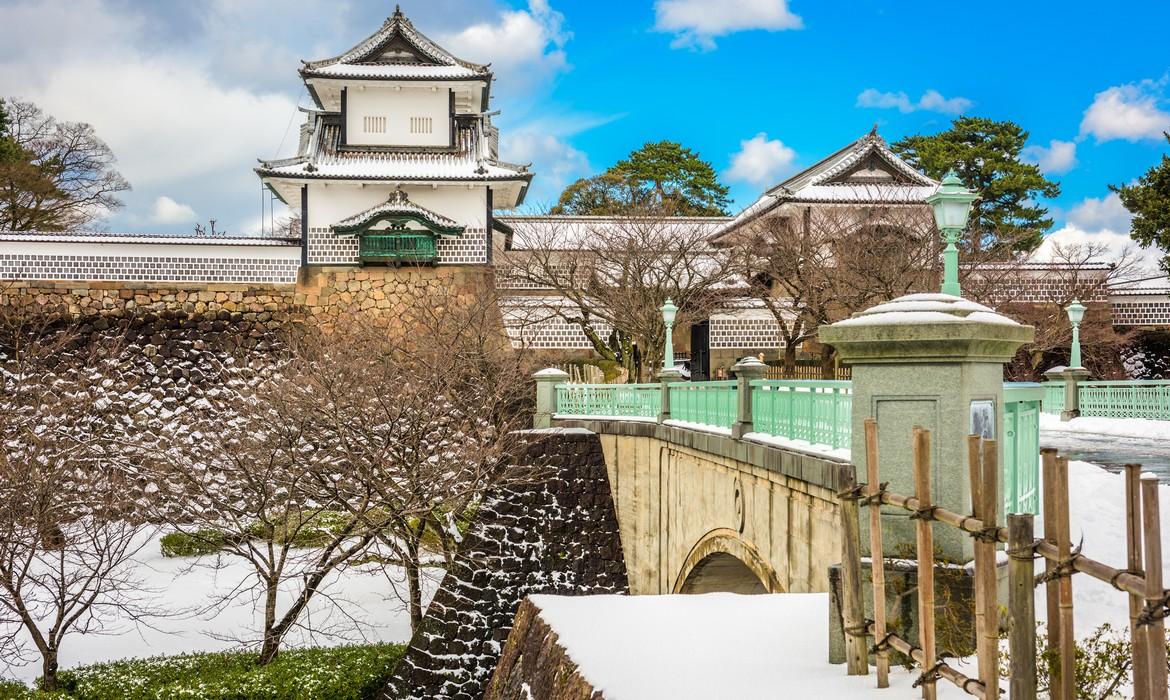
952	206
1076	312
669	311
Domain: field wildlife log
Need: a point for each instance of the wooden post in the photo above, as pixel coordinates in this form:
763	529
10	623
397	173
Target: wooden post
975	477
986	578
1068	648
1133	538
922	491
876	555
1022	608
1156	629
853	612
1051	589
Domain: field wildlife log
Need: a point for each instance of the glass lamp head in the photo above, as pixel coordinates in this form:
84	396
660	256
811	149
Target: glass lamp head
1076	312
951	203
669	311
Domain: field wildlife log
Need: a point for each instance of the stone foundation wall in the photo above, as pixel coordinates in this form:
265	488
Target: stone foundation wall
535	665
320	292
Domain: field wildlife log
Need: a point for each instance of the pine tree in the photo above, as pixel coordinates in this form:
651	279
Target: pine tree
1149	202
986	155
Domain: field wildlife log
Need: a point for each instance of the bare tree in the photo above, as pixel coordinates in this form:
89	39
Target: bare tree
62	176
819	264
70	518
617	273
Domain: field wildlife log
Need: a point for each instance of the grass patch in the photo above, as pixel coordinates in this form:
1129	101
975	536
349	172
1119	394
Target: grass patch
184	544
337	673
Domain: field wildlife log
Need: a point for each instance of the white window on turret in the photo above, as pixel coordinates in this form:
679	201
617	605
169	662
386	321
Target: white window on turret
374	125
421	125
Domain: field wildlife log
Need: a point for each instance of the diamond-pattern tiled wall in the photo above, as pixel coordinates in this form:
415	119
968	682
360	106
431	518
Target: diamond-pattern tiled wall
147	268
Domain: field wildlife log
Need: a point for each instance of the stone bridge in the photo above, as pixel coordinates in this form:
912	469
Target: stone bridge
701	512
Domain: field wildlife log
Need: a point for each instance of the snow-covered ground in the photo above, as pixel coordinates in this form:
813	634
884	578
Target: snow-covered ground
723	645
1117	427
364	594
1111	441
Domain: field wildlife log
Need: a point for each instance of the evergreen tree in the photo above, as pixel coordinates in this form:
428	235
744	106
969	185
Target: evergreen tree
664	177
1149	202
986	155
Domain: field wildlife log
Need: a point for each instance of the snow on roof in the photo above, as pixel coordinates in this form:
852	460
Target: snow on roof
399	205
420	57
575	232
327	159
926	308
714	645
844	177
142	238
1159	284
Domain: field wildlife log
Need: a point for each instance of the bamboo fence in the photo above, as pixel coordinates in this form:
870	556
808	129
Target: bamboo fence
1141	580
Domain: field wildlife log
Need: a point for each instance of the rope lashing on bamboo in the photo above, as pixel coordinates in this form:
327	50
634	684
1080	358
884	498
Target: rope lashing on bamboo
874	498
1025	553
882	644
861	629
852	494
1132	572
1063	568
930	674
924	513
1157	610
987	534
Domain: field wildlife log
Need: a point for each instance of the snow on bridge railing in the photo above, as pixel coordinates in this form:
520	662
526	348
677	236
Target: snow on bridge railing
1135	398
711	404
818	412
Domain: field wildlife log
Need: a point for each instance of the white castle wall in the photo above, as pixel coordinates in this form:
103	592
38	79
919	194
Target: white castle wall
147	260
398	106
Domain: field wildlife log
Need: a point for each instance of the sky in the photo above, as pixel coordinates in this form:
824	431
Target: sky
190	94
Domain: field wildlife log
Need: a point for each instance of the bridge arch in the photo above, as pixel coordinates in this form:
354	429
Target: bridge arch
722	561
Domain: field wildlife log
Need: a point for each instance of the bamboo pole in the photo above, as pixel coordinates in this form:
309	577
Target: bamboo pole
968	685
1156	628
975	479
985	572
925	543
1022	607
876	554
853	613
1068	649
1051	589
1133	538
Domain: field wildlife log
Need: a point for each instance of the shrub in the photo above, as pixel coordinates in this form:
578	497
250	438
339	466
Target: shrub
339	673
184	544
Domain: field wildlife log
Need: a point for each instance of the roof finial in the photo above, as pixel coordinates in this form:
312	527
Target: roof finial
873	131
397	11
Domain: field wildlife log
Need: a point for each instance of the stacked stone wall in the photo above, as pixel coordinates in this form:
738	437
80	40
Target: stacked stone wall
324	293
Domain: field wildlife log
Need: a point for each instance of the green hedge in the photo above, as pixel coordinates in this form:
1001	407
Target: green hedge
339	673
182	544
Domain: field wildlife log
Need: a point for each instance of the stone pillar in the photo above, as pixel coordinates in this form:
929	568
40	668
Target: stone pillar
746	371
546	395
666	376
1073	376
933	360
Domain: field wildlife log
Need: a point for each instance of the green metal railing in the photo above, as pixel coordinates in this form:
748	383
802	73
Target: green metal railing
397	247
705	403
818	412
1149	399
1021	446
609	400
1137	398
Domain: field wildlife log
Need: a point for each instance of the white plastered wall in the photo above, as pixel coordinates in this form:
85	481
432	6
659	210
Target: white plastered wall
399	105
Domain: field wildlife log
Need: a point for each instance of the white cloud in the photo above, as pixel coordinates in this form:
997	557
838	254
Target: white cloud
556	162
1055	158
1096	213
523	46
168	211
931	101
761	161
1129	112
696	23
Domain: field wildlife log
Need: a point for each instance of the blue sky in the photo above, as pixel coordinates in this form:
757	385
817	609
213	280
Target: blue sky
189	94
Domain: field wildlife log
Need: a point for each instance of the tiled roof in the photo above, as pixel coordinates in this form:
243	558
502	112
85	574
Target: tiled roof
440	63
326	159
142	238
399	205
821	183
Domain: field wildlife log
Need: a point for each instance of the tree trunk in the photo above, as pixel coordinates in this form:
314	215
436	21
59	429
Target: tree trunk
270	649
413	583
49	670
828	368
789	360
272	635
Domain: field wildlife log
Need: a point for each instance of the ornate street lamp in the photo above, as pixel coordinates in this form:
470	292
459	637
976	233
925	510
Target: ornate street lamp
669	311
1076	313
952	206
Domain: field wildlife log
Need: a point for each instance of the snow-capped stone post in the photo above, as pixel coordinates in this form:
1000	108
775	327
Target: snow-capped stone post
746	371
935	361
546	395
